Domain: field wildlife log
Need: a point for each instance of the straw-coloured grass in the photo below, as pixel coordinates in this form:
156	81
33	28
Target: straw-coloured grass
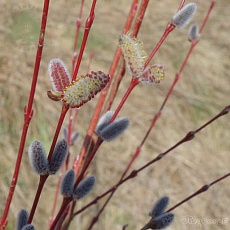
202	91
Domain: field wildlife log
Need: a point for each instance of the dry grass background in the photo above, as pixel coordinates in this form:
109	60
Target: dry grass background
201	93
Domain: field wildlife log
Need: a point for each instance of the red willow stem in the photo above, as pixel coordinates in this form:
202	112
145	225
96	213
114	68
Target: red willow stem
67	201
78	26
134	82
207	15
131	15
43	179
72	118
181	5
70	126
76	165
88	25
153	123
114	65
65	109
87	163
204	188
36	200
56	197
90	61
103	94
28	113
138	150
115	62
115	85
140	16
169	28
177	77
189	136
137	25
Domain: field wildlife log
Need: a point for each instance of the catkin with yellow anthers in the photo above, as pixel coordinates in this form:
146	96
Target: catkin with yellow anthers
84	88
134	54
154	73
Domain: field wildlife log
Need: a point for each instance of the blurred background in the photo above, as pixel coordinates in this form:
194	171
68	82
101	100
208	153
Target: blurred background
201	93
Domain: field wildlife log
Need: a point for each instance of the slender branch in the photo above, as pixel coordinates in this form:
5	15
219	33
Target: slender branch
207	15
181	5
87	163
134	82
28	113
204	188
36	199
65	203
44	178
72	117
78	26
140	17
121	71
189	136
88	25
56	197
177	77
169	28
103	94
65	109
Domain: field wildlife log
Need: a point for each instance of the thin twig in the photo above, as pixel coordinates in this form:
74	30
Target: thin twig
204	188
28	113
189	136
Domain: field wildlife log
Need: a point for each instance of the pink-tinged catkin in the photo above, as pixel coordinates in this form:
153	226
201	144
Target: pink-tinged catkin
184	16
154	73
58	157
84	88
68	183
37	157
84	187
135	57
134	54
22	219
58	74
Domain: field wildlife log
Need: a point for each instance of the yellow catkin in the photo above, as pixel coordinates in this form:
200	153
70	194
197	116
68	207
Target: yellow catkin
134	54
84	88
